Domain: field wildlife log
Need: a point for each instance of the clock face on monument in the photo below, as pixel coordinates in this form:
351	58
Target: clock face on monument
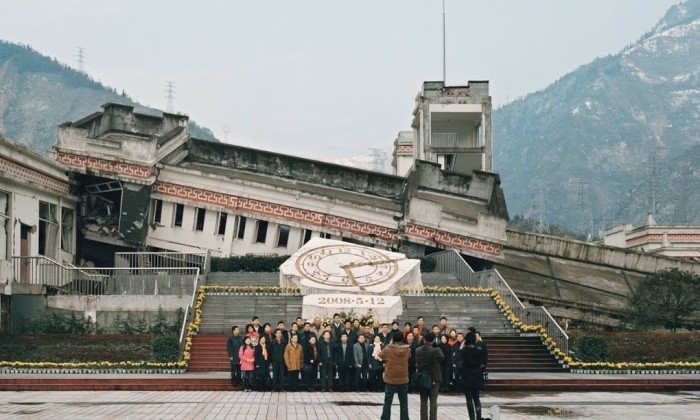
347	266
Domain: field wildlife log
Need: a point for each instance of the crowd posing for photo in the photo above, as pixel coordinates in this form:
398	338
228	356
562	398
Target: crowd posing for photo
345	356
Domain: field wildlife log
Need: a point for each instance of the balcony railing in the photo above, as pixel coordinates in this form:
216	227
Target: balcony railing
451	262
154	260
65	279
444	140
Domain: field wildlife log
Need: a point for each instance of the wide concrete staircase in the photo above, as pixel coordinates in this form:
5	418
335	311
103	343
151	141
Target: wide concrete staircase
508	351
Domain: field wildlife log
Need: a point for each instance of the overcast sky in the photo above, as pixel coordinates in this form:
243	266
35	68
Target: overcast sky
322	79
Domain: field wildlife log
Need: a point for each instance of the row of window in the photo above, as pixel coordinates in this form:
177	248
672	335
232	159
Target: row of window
240	222
49	226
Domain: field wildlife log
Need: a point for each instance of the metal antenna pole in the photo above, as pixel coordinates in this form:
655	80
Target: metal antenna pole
444	55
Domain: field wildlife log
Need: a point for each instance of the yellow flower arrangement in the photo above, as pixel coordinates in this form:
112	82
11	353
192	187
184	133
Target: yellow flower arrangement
442	289
251	289
617	366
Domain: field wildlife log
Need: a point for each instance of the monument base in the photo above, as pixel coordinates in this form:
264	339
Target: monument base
384	308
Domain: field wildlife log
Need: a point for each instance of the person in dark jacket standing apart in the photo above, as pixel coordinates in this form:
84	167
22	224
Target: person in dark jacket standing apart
233	344
428	358
395	357
472	360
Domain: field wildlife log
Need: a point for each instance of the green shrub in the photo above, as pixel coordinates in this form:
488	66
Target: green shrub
592	348
165	348
427	264
249	263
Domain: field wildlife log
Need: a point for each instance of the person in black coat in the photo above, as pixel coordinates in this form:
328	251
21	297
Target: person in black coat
458	385
428	360
350	332
325	361
263	359
472	361
310	365
233	344
277	347
344	362
445	365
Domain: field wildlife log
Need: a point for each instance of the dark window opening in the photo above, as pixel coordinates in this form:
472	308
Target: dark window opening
199	220
157	210
240	227
261	234
283	237
179	210
307	235
223	217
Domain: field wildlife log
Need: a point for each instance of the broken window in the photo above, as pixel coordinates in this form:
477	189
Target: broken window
261	233
4	224
48	229
179	211
283	236
67	218
101	207
240	227
221	229
200	214
157	206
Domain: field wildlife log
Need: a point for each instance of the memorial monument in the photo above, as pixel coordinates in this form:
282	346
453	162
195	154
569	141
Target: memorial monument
336	276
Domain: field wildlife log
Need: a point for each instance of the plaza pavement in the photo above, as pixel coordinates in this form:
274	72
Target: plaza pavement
127	405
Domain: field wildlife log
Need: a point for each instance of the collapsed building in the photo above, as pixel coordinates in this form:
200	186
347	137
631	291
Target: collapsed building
120	181
145	184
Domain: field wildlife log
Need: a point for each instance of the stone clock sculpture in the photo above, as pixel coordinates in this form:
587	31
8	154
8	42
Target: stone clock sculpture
338	276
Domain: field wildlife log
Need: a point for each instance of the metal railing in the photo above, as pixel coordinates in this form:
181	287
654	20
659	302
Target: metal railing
200	260
451	262
41	270
447	140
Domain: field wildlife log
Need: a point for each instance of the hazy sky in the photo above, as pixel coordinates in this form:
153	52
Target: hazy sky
321	79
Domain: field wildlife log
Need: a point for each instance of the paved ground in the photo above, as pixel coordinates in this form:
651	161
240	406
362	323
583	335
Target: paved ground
126	405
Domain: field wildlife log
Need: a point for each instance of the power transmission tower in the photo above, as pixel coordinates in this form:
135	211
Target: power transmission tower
226	130
81	59
537	212
378	160
585	216
654	180
170	90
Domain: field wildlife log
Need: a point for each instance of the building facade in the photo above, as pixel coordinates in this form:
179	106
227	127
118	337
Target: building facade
37	216
663	240
144	183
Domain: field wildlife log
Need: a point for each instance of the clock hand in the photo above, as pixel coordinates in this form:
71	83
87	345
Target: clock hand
351	277
375	262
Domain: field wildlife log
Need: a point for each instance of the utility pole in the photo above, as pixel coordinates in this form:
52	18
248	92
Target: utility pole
444	48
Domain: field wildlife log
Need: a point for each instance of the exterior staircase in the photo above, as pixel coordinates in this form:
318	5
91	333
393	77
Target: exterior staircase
508	351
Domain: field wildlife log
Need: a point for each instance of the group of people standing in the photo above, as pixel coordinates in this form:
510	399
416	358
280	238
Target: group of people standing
345	356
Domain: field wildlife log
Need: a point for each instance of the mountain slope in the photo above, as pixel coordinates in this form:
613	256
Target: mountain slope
37	94
614	136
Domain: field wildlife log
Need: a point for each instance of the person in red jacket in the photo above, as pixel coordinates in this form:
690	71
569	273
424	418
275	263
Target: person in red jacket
247	356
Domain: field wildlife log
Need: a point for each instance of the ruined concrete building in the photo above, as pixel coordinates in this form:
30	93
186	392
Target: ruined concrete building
144	183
